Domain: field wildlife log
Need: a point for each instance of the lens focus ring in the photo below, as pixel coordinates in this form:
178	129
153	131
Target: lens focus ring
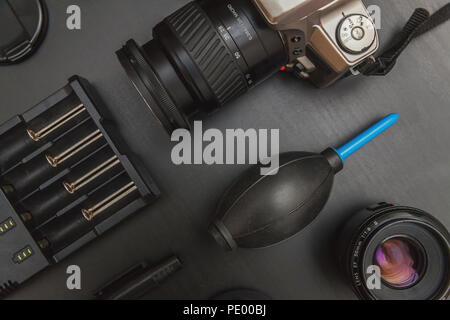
206	48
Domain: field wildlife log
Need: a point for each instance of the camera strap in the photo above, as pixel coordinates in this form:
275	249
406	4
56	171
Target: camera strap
419	23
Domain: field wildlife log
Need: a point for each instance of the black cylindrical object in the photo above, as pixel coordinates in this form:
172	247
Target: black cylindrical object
43	205
139	280
201	57
409	246
26	177
63	230
15	145
72	225
26	138
85	177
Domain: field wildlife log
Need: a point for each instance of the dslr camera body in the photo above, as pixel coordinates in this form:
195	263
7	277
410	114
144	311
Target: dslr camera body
324	39
211	51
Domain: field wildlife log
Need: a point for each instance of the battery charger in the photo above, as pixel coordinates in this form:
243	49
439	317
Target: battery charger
65	178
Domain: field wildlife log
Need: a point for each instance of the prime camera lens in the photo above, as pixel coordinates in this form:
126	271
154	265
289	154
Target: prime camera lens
410	248
201	57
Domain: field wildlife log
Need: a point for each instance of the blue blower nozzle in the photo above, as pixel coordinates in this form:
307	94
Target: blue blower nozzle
365	137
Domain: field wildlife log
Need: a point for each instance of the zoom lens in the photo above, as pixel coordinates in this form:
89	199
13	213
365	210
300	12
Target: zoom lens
410	248
201	57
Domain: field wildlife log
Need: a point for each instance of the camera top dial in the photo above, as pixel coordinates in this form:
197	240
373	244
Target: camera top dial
356	33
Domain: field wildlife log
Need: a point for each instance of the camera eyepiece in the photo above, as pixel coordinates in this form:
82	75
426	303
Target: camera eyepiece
201	57
410	248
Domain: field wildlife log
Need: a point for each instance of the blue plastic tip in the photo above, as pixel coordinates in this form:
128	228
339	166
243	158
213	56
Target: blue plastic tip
362	139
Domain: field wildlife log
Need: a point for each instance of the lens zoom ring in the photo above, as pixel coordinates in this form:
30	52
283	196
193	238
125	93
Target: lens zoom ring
209	52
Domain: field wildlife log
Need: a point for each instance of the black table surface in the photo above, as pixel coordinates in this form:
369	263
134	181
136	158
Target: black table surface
408	165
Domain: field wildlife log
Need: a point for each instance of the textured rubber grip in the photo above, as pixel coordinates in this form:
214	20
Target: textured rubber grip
213	58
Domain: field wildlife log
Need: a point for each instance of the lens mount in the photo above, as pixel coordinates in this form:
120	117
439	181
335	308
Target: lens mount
414	237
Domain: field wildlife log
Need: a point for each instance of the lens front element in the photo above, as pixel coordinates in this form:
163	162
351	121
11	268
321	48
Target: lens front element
399	260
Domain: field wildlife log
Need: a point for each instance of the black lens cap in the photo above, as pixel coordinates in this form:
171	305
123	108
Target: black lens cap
23	25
